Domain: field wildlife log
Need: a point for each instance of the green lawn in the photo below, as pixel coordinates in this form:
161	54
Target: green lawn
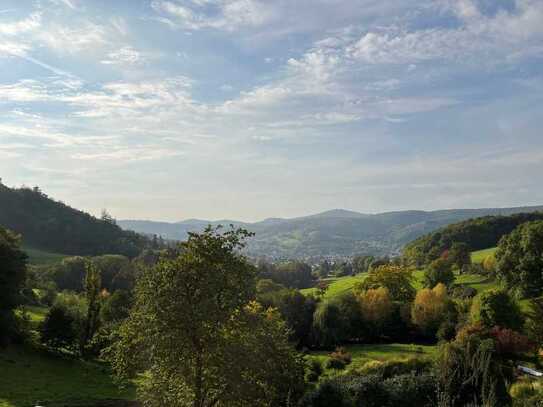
481	255
38	257
29	376
337	286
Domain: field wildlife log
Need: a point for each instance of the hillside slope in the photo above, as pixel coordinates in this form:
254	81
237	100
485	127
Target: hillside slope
332	233
478	234
53	226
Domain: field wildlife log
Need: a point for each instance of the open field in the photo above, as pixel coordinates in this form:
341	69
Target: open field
37	257
337	286
480	255
29	376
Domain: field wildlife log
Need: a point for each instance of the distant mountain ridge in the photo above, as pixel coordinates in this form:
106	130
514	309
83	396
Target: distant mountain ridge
335	233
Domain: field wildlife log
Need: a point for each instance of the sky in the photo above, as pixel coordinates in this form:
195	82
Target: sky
248	109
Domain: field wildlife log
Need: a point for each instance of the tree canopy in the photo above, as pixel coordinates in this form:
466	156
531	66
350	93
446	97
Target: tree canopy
12	277
519	259
195	331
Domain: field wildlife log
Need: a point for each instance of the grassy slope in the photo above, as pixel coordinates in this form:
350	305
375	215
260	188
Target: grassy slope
28	376
37	257
481	255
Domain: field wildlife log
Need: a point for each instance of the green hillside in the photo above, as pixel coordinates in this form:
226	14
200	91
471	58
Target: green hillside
29	377
54	227
37	256
480	255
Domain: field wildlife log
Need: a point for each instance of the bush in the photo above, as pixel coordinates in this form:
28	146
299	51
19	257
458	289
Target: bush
339	359
313	370
58	328
367	391
463	292
395	367
411	390
328	394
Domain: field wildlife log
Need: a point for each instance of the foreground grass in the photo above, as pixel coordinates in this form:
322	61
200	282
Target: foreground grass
40	257
362	354
29	376
480	255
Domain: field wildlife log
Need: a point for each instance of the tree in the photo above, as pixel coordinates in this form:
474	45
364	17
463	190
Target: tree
429	308
92	286
58	329
343	269
519	259
497	308
115	307
361	264
349	311
195	331
459	255
329	328
324	269
292	274
297	310
69	274
470	372
377	308
396	279
439	271
535	320
12	277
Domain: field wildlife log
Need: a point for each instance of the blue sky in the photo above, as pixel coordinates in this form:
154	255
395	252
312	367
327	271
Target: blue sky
246	109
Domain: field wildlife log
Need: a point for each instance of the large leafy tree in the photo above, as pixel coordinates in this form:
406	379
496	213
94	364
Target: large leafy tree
12	277
519	259
396	279
497	308
198	336
438	272
429	308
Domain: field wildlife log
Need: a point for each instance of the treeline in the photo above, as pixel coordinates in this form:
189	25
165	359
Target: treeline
54	226
476	234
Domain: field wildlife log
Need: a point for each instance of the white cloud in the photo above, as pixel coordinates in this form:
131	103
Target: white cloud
22	26
228	15
66	39
124	56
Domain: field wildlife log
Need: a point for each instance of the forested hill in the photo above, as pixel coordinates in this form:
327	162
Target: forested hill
53	226
331	233
477	234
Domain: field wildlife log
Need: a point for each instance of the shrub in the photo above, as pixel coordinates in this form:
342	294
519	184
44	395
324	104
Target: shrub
58	328
511	343
463	292
395	367
339	359
313	370
412	390
329	393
